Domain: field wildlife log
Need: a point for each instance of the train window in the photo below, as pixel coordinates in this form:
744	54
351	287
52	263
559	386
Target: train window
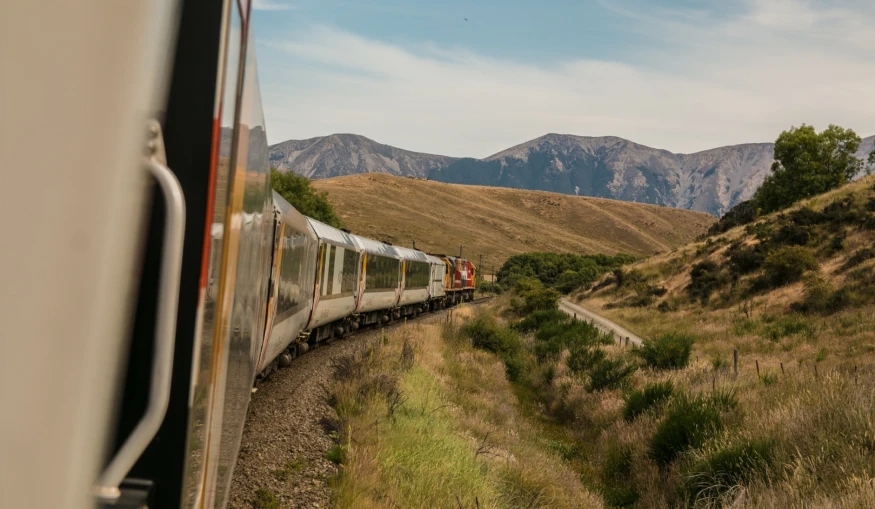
350	259
416	275
330	256
382	273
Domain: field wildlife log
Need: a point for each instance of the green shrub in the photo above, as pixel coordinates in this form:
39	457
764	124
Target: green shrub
582	357
689	421
788	264
554	337
719	362
617	490
742	213
641	400
744	259
705	278
537	319
609	374
819	296
299	192
791	234
265	499
337	454
540	298
668	351
570	280
726	467
787	325
555	270
487	334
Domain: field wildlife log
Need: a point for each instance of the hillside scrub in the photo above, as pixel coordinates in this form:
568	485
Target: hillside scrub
562	272
793	295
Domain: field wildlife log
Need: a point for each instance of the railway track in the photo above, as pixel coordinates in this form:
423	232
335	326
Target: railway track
282	451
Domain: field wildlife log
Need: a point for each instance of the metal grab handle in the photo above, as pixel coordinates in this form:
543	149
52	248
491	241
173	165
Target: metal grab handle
107	487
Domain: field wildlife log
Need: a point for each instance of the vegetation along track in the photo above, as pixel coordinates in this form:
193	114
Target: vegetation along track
282	461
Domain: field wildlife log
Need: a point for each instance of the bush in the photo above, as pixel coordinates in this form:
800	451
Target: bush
790	234
539	298
641	400
808	163
553	270
788	264
745	259
582	357
726	467
537	319
609	374
819	296
617	491
688	423
786	326
554	337
742	213
705	278
298	191
668	351
570	280
488	335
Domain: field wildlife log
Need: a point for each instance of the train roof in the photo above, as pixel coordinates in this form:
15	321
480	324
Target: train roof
411	254
291	217
434	259
375	247
332	234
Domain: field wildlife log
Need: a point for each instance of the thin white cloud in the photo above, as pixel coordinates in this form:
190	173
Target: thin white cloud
742	80
271	5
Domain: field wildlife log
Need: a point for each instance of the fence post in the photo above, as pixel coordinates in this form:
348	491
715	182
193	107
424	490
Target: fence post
735	361
782	368
574	318
627	341
758	366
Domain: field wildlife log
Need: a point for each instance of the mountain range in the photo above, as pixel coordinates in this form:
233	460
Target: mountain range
710	181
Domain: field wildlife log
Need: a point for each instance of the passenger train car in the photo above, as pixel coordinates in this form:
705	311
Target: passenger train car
159	275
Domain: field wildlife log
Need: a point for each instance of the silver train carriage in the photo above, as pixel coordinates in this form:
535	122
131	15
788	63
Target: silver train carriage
337	280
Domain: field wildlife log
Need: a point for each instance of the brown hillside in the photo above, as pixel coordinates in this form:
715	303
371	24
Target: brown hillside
500	222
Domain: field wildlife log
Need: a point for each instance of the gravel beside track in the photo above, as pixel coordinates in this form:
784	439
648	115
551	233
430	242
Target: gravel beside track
284	441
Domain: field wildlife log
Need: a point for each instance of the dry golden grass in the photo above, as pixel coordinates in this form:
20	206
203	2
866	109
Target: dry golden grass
500	222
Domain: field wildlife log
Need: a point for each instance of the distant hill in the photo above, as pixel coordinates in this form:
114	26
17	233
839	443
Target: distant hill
499	222
349	154
711	181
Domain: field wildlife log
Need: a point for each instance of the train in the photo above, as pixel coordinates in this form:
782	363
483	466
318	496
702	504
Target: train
150	273
345	282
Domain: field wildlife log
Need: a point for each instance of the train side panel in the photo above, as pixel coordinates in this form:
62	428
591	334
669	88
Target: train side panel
293	280
416	277
337	275
380	276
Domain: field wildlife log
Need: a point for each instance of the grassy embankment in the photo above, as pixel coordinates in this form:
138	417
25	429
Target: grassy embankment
794	294
426	420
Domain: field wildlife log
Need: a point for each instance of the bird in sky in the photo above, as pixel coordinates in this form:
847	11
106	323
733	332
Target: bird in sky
466	19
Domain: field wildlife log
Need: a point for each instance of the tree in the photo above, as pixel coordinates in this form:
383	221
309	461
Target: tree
301	195
807	164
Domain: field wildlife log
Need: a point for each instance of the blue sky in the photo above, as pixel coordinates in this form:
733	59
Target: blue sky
684	75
